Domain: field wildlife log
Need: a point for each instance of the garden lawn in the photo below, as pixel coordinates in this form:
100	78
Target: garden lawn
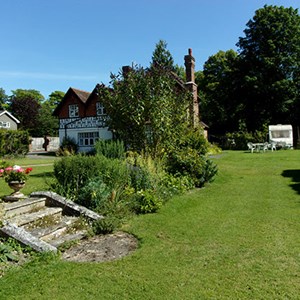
42	170
237	238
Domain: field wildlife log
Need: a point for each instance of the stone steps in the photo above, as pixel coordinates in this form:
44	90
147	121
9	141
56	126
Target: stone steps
20	207
45	223
27	218
64	230
79	235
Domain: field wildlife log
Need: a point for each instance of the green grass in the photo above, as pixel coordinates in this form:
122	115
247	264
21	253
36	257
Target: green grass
42	170
237	238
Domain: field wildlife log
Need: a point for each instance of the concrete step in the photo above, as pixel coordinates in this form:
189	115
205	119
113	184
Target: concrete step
69	237
23	206
24	219
58	228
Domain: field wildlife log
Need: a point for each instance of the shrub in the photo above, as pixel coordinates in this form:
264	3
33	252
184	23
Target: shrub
174	185
67	147
94	194
72	173
110	148
209	172
14	142
195	139
146	202
144	172
106	225
241	138
213	149
187	162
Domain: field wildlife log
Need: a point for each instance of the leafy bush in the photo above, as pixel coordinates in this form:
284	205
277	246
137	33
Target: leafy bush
145	173
14	142
209	172
9	250
187	162
174	185
195	139
106	225
213	149
146	202
94	194
110	148
72	173
68	147
241	139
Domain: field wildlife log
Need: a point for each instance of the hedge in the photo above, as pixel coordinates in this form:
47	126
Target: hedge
14	142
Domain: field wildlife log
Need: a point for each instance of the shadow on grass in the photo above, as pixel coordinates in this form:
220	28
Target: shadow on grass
41	154
42	175
295	176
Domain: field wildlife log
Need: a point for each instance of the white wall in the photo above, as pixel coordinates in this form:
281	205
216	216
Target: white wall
37	144
104	134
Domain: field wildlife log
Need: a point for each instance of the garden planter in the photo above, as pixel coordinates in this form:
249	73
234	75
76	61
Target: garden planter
16	195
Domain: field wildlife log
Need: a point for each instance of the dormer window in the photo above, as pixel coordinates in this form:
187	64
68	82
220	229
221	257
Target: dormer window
100	109
73	111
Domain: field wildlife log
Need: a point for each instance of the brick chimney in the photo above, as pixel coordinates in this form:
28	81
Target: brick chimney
189	62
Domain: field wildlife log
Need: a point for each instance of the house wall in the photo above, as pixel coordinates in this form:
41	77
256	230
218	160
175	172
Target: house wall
91	107
72	99
72	133
6	118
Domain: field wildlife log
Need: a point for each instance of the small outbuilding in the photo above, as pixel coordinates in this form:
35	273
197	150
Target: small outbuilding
8	121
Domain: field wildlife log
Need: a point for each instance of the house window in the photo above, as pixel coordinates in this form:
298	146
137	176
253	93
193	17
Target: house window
87	138
4	124
100	109
73	111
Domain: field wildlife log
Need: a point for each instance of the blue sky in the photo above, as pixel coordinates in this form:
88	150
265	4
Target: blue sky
50	45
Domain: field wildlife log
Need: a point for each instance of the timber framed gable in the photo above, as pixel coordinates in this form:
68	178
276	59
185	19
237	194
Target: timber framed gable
82	118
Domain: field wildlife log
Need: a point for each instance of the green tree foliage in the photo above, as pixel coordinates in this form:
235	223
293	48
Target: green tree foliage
270	66
146	108
162	57
25	106
34	112
218	85
55	98
48	124
13	142
3	98
259	85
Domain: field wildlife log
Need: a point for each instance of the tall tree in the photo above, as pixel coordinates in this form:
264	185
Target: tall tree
55	98
25	105
3	98
147	110
47	123
270	64
162	57
217	83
